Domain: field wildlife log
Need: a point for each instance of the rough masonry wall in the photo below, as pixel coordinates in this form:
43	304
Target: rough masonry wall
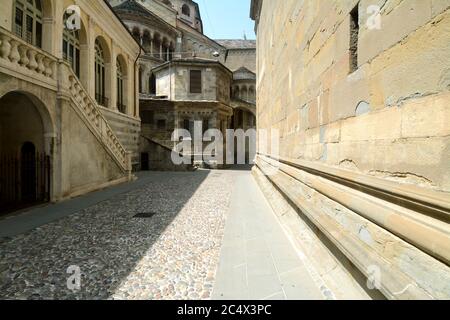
390	117
127	129
85	164
237	58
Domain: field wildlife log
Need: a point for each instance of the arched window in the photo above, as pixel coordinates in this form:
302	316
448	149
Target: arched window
251	94
244	93
186	10
100	75
236	92
152	84
120	88
28	21
71	47
141	87
137	35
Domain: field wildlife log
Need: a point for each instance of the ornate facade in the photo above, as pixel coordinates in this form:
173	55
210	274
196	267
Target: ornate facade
175	54
69	108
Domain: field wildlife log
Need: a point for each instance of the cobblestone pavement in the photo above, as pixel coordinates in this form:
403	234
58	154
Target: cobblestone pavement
172	255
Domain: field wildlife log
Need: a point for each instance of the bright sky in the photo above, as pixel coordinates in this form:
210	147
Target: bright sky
227	19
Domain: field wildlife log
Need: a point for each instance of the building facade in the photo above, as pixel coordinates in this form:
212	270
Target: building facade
186	76
69	108
359	94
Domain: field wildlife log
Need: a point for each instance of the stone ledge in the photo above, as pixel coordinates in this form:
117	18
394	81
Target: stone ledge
406	272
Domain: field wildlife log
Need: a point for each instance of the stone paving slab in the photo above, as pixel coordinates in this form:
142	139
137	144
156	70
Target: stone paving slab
257	261
29	219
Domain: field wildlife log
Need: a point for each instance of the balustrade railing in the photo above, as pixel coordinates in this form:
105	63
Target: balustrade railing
20	56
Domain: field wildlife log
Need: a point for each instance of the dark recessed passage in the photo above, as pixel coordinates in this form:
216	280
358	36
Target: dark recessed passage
145	215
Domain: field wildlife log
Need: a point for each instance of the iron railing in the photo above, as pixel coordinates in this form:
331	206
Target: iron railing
23	181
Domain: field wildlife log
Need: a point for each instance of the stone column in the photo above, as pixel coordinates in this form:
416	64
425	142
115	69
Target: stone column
178	47
48	36
91	60
151	45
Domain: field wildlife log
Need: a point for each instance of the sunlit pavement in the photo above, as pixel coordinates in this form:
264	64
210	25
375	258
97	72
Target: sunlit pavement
180	249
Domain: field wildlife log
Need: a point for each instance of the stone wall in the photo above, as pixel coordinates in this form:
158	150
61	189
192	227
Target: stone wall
173	81
127	129
389	117
237	58
361	109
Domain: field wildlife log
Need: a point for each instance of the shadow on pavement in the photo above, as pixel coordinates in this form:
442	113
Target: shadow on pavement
105	241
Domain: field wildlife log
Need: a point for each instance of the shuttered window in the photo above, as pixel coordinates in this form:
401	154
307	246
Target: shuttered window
196	81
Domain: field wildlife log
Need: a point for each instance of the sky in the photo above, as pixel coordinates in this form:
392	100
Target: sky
227	19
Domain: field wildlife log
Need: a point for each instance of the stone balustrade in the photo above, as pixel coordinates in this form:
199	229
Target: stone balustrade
19	56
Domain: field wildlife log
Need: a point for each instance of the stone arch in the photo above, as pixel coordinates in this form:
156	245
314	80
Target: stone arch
244	92
122	83
102	75
146	40
236	92
136	32
251	93
186	10
105	47
157	43
26	121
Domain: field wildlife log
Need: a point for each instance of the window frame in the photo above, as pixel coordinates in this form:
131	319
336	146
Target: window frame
100	75
30	12
191	88
72	39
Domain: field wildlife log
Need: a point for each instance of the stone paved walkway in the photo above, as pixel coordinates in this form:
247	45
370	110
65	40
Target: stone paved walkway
182	252
171	255
258	262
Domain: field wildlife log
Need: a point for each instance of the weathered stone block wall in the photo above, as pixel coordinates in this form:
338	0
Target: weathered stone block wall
85	164
237	58
182	84
390	117
127	129
173	81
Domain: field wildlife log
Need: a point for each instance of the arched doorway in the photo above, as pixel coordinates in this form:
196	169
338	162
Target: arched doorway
152	84
24	160
28	172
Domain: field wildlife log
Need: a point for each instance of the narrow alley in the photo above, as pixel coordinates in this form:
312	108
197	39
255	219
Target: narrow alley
206	234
